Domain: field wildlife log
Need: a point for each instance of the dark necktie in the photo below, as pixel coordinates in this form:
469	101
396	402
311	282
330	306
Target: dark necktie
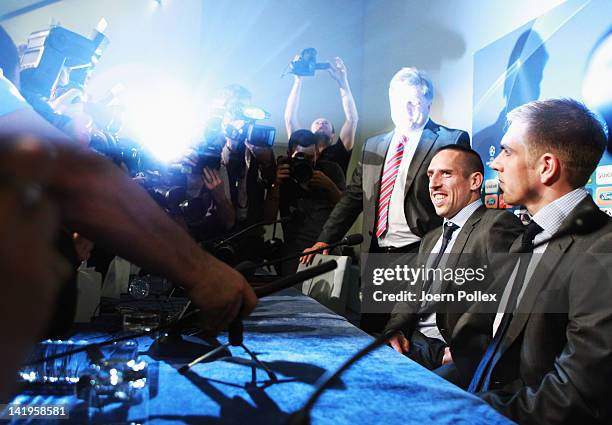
491	355
447	234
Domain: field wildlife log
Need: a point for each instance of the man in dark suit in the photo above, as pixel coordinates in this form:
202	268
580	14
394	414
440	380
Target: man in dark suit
549	356
469	239
396	217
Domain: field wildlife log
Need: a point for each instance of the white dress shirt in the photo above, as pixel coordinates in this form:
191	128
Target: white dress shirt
427	324
398	232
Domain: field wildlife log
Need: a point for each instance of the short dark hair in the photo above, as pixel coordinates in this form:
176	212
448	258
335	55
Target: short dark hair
9	56
566	128
472	162
301	137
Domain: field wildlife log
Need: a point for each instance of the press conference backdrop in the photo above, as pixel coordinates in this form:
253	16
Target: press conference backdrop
565	53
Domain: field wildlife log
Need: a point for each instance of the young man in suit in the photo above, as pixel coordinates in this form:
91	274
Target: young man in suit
550	350
470	238
398	212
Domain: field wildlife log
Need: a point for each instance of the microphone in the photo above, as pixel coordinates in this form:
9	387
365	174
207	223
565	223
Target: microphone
245	230
289	281
354	239
236	329
260	292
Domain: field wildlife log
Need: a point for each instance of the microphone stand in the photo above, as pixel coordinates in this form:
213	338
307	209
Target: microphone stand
355	239
172	343
236	329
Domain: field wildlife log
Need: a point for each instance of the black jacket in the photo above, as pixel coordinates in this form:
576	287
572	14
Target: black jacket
556	357
362	194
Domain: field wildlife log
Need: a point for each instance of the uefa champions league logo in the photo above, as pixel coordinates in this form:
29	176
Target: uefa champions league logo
491	151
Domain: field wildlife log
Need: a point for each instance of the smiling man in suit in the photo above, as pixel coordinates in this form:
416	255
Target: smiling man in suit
469	239
549	359
390	184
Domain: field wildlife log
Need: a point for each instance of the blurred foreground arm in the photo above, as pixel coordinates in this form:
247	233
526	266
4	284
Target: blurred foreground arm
97	200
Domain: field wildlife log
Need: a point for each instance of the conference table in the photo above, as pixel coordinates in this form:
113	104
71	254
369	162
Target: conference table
299	340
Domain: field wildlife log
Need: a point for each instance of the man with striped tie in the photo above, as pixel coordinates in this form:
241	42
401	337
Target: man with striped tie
549	354
390	184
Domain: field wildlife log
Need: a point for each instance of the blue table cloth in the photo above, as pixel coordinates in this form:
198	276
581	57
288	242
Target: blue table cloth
299	340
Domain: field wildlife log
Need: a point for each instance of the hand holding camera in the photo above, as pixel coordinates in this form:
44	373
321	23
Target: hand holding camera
321	181
283	171
213	182
305	64
338	72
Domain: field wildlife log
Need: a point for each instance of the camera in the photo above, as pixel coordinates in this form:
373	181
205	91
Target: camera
168	197
206	156
255	134
258	135
306	63
50	51
300	167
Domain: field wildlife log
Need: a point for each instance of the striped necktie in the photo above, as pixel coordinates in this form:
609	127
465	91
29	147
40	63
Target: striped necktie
387	182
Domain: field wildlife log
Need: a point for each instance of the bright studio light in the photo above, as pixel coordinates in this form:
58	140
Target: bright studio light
164	117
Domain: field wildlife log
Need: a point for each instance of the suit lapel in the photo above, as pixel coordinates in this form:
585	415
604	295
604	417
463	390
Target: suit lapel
428	139
429	241
464	235
460	242
551	257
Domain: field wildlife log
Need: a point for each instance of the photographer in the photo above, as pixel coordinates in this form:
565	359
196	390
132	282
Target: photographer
250	169
306	190
340	152
96	199
218	186
208	212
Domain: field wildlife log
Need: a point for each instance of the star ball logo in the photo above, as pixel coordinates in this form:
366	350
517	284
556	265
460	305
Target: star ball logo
491	201
492	151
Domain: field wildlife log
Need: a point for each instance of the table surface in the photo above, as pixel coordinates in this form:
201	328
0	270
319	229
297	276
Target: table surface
299	340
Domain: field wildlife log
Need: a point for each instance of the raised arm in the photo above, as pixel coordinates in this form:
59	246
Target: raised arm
351	117
291	109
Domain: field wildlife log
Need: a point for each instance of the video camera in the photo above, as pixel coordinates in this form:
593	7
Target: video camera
50	51
305	64
255	134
